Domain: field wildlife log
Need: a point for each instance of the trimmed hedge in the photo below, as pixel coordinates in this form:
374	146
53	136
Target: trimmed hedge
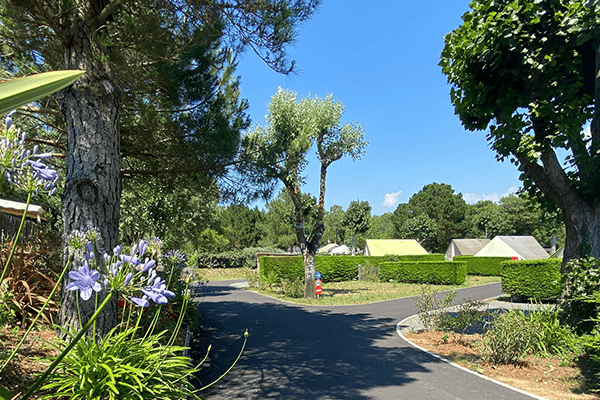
345	268
433	272
532	279
230	259
275	268
417	257
486	266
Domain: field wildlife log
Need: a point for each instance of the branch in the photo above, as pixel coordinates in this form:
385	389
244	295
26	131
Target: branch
550	178
110	8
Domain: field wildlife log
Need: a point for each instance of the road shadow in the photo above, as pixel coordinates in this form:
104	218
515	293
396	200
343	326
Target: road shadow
296	352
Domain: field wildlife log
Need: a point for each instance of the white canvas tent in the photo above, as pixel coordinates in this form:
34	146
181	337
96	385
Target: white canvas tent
325	249
339	250
464	247
521	247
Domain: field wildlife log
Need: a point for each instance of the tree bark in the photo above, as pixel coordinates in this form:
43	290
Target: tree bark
92	186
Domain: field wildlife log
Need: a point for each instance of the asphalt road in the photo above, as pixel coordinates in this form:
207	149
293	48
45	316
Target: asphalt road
325	352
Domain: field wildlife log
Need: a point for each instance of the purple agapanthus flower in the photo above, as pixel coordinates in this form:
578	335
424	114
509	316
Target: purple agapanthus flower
142	247
140	301
84	280
158	291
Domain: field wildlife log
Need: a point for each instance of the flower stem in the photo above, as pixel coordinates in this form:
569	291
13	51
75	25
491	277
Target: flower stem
12	251
62	274
36	385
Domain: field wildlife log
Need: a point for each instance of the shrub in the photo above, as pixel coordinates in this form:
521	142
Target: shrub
416	257
434	272
467	315
509	339
245	258
532	279
485	266
292	288
582	283
121	368
429	307
274	268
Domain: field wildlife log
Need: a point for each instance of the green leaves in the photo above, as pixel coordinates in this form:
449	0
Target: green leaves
20	91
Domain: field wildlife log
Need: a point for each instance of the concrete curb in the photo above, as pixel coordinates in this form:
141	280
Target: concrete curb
401	326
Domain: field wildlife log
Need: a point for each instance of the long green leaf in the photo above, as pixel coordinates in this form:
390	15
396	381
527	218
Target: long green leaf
5	394
20	91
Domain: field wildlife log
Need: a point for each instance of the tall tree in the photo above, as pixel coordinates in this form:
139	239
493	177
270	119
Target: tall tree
485	219
357	219
128	49
440	205
382	227
334	225
277	152
530	72
239	224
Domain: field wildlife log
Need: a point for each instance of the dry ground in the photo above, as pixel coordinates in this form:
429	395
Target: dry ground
549	377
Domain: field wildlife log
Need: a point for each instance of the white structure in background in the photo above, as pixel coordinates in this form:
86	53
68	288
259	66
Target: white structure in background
464	247
340	250
521	247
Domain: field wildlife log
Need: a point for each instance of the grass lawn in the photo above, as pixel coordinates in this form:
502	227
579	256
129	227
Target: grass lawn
350	292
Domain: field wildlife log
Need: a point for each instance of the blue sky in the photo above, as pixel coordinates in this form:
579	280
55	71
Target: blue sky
381	61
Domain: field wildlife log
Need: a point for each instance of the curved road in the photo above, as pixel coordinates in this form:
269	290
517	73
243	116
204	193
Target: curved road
325	352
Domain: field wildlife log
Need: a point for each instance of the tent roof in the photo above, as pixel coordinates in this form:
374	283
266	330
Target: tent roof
468	247
327	247
341	249
522	247
16	208
382	247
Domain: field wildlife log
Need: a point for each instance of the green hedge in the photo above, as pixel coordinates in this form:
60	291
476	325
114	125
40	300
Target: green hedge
532	279
417	257
434	272
230	259
275	268
486	266
345	268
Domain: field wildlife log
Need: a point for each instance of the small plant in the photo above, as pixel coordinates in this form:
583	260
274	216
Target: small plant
429	307
253	277
445	338
509	339
468	315
292	288
122	368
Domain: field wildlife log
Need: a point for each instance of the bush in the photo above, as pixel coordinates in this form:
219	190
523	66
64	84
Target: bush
582	284
509	339
345	268
429	307
275	268
532	279
245	258
123	368
434	272
417	257
484	266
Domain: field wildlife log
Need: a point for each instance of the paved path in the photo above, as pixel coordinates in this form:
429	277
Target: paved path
326	352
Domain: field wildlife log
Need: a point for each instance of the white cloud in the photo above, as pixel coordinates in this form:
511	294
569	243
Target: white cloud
391	199
472	198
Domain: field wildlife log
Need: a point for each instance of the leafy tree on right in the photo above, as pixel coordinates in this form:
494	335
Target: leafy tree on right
529	72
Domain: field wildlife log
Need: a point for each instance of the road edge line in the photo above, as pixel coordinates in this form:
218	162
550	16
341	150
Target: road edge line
439	357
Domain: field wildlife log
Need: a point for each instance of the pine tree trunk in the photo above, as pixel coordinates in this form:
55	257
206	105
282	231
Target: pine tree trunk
92	186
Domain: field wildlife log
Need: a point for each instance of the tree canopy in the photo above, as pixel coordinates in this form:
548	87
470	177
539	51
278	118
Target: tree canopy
276	153
158	95
527	72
